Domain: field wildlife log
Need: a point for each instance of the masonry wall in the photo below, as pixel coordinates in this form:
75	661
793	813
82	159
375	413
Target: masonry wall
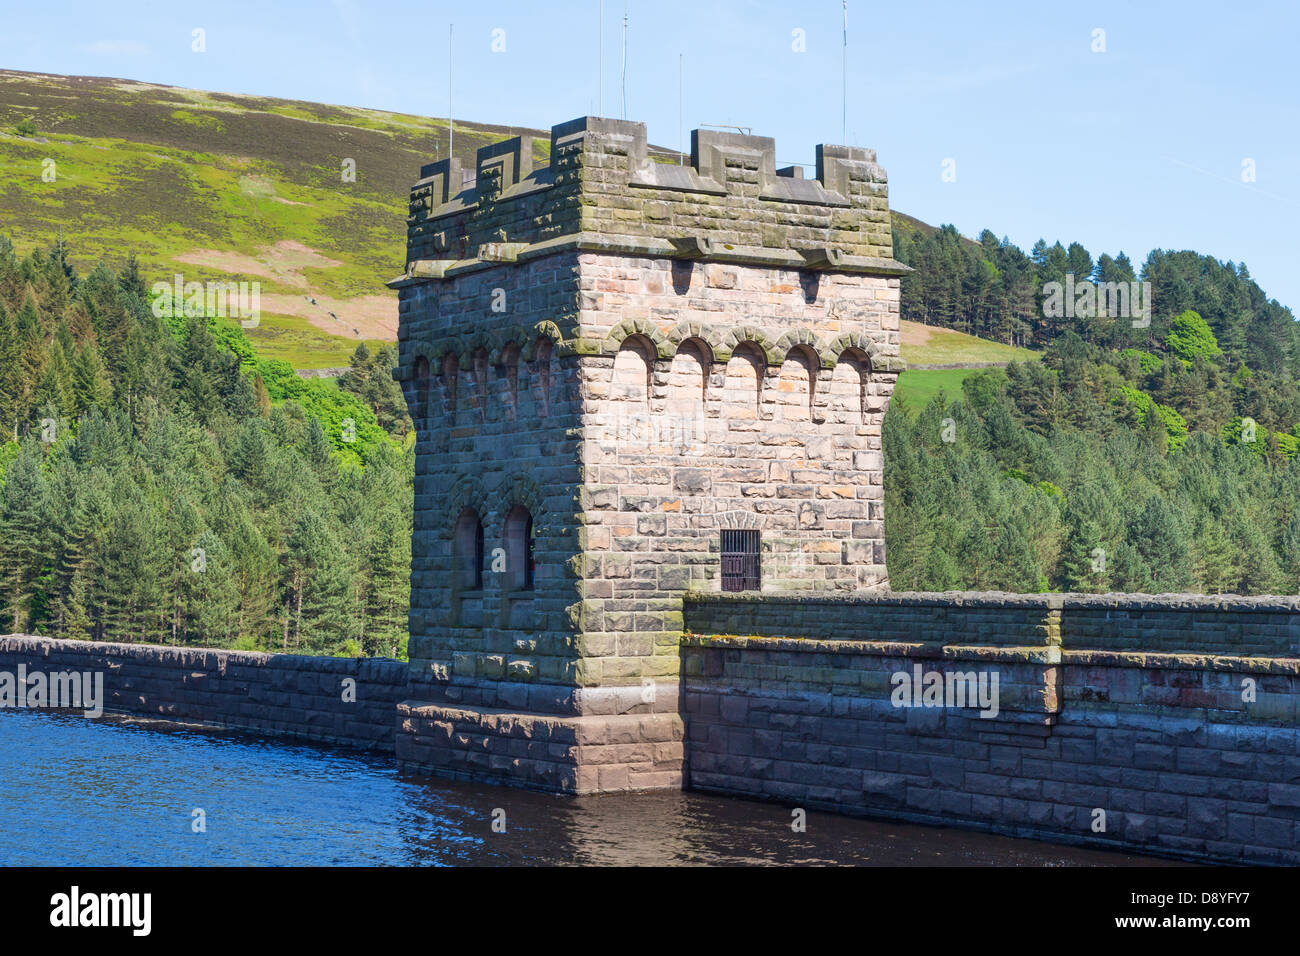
496	430
1193	752
279	694
724	403
956	618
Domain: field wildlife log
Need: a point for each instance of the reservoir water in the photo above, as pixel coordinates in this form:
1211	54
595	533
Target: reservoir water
120	791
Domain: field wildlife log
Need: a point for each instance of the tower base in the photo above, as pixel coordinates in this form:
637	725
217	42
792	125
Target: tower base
580	753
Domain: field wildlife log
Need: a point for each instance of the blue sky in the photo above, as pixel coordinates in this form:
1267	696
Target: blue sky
1136	147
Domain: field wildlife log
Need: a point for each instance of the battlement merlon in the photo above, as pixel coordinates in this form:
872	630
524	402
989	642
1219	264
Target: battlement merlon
601	191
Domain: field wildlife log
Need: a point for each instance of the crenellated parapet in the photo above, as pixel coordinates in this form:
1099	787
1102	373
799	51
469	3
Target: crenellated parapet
601	191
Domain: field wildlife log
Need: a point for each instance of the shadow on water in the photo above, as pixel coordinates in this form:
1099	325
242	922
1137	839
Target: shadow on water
125	791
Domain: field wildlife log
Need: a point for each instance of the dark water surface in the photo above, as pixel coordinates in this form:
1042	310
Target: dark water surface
118	791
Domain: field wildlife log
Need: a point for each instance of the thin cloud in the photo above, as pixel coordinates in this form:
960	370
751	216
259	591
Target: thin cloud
1235	182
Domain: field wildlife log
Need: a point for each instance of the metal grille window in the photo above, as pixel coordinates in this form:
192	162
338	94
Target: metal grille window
740	561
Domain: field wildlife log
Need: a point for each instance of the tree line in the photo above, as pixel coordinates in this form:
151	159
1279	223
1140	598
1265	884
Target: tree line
163	483
993	289
1135	456
1074	474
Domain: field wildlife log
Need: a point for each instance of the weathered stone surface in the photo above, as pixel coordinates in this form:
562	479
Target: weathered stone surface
285	695
636	357
1144	715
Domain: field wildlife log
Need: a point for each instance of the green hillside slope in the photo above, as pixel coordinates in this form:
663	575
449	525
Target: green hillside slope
222	186
941	359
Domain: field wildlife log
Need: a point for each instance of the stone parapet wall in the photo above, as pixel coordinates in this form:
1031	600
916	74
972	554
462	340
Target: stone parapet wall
1124	743
1227	624
1180	623
279	694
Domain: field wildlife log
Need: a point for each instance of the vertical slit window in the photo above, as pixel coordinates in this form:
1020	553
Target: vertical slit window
530	561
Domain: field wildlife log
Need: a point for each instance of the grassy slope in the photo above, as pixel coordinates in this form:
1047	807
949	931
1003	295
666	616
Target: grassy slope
164	172
927	345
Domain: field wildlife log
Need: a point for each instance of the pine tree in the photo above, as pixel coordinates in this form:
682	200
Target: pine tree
29	360
90	383
129	584
319	582
24	503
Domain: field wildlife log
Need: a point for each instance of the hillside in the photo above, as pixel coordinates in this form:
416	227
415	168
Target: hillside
940	360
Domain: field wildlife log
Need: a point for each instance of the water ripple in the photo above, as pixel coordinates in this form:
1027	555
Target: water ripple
120	791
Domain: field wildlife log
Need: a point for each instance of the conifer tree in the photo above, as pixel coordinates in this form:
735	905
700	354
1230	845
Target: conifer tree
24	512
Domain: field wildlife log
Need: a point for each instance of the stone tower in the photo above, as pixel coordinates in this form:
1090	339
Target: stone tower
630	378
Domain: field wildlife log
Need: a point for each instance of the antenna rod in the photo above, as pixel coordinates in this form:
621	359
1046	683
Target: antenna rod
625	3
844	81
451	76
681	161
602	58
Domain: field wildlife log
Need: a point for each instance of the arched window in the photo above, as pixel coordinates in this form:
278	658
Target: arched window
530	556
510	381
688	379
629	391
794	386
543	357
743	388
632	366
469	551
520	541
480	382
420	413
848	386
450	382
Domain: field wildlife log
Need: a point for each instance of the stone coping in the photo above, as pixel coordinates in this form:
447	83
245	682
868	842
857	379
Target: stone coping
1287	604
918	649
1145	660
492	255
16	642
1191	660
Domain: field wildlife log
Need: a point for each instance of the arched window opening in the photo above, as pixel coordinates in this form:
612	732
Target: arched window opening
420	413
629	391
688	380
520	548
794	386
848	387
510	381
530	558
450	381
545	354
743	388
469	550
480	382
632	368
